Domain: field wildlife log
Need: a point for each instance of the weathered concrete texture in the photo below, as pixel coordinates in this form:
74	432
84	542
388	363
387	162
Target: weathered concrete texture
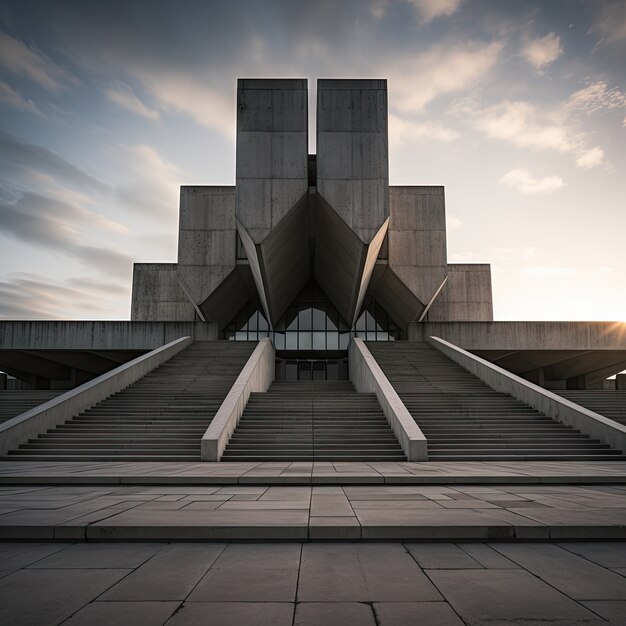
352	152
272	186
417	238
15	431
92	335
158	294
548	403
466	295
256	376
475	336
272	149
207	238
367	377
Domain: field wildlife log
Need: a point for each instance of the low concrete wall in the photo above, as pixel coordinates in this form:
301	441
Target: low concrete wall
524	335
574	415
367	377
58	410
99	335
257	375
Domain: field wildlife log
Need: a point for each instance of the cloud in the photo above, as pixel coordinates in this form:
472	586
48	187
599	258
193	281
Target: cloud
25	61
543	51
547	271
49	223
442	70
14	153
10	96
32	296
590	158
524	183
596	97
453	222
403	131
154	183
610	21
185	93
121	94
525	125
430	9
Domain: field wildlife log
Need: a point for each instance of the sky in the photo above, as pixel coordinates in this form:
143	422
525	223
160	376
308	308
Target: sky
517	107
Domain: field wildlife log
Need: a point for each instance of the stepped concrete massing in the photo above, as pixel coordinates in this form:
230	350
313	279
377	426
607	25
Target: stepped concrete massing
277	279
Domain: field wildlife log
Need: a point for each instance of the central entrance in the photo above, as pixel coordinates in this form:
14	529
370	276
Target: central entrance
311	339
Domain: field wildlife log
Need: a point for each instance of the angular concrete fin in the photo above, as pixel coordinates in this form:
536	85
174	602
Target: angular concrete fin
227	299
370	261
255	267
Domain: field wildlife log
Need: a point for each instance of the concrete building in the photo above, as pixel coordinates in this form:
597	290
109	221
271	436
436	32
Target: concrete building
307	254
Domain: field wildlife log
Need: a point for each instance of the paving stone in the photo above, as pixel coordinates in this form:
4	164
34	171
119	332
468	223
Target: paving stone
42	597
441	556
92	555
331	505
234	614
335	613
489	597
334	528
487	556
251	573
612	554
614	611
361	573
578	578
168	576
135	613
410	613
14	556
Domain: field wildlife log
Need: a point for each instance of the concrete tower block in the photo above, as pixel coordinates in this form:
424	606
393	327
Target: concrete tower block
352	152
272	148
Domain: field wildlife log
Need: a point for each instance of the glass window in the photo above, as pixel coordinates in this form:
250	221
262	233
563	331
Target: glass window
304	370
304	320
332	341
319	340
319	320
304	340
279	341
291	340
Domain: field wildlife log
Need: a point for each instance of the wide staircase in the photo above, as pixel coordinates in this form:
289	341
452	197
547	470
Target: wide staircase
14	403
313	421
611	404
465	420
161	417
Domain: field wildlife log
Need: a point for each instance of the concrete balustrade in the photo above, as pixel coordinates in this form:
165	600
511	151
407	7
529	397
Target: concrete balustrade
540	399
31	423
256	376
367	377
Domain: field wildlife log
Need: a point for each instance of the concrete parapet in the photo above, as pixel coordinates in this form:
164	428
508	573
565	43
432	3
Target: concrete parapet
540	399
54	412
368	377
256	375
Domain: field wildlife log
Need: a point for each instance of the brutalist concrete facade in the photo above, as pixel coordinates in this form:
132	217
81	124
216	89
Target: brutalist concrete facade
331	216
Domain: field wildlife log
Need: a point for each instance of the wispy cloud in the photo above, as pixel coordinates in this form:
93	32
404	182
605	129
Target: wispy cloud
33	296
428	10
527	184
543	51
14	153
121	94
610	21
46	222
597	96
590	158
403	131
25	61
13	98
441	70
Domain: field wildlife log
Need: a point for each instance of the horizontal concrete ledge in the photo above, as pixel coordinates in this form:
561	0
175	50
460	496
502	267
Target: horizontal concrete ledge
257	375
301	527
38	420
540	399
367	377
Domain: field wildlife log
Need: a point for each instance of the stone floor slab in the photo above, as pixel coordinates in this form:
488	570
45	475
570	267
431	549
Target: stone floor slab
335	613
418	613
135	613
489	597
234	614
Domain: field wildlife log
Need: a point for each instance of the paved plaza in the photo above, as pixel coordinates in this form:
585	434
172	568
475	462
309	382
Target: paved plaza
356	512
321	584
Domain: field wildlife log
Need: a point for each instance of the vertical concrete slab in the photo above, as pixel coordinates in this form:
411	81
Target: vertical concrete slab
272	151
352	152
